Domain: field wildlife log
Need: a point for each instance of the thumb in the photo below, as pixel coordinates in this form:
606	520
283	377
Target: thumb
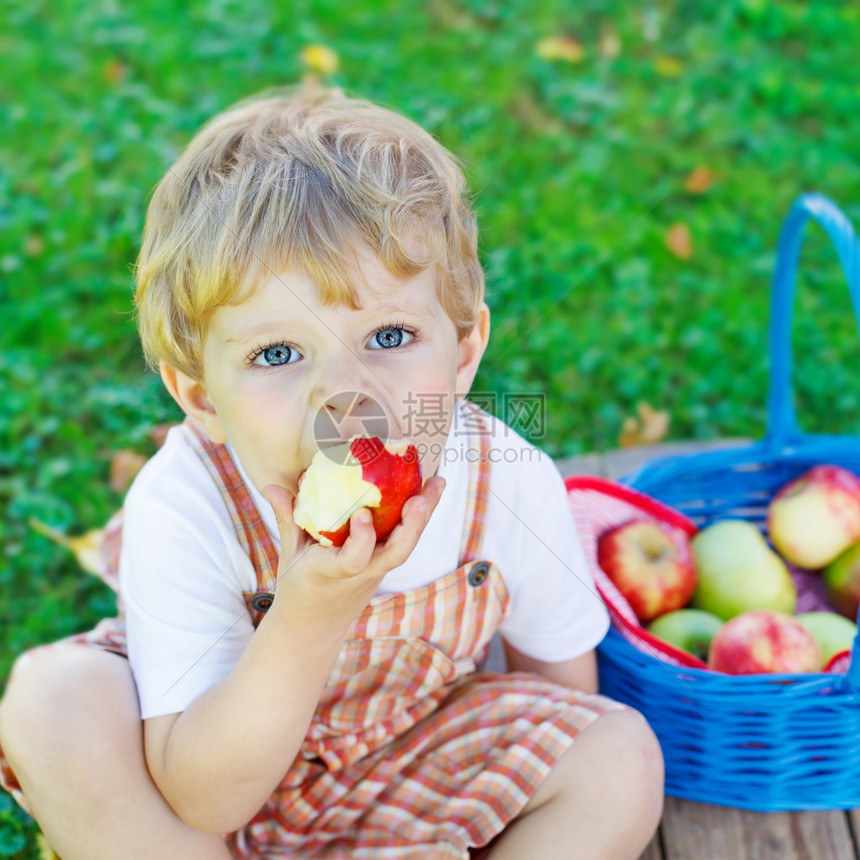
292	537
281	501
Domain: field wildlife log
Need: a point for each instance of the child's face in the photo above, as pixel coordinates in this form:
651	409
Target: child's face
284	373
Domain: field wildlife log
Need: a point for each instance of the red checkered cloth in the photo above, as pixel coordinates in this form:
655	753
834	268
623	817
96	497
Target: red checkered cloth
411	752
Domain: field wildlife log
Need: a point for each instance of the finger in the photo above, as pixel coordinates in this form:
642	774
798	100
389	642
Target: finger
432	490
418	509
357	550
282	502
416	514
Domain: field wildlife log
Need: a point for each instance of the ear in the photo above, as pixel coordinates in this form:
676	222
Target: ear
470	351
193	400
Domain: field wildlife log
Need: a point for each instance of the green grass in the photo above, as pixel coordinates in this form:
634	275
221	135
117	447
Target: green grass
578	171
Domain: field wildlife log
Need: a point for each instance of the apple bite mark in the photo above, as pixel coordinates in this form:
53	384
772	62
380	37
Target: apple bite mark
364	472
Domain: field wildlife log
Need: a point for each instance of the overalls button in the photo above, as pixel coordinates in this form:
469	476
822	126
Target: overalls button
478	573
262	600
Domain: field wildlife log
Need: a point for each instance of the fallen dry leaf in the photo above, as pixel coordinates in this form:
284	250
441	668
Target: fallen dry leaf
86	547
609	45
562	48
113	71
320	59
668	67
648	428
34	246
124	466
629	435
46	852
679	241
699	180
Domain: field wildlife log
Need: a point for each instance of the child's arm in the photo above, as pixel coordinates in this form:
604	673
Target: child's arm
577	674
218	761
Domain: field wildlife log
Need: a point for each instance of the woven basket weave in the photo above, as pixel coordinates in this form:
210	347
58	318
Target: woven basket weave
762	742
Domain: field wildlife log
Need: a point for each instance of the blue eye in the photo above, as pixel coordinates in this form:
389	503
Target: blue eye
275	356
390	337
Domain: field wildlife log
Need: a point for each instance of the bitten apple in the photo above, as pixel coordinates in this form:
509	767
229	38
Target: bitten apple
842	582
364	472
763	641
651	565
816	516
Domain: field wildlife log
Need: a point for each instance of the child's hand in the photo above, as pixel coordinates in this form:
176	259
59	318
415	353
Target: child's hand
338	582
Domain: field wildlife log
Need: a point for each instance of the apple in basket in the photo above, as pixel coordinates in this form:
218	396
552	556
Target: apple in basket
650	564
816	516
833	633
842	582
364	472
691	630
738	571
763	641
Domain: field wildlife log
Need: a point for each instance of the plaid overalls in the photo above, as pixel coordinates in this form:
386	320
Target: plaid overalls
411	752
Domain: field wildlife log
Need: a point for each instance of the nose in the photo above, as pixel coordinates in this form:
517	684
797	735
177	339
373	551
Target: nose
350	413
344	403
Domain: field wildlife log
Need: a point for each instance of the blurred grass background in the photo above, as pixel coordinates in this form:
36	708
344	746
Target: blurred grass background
632	162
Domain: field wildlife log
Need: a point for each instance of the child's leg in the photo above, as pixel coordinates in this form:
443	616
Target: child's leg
603	799
70	728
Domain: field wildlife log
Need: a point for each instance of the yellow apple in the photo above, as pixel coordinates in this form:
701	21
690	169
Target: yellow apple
815	517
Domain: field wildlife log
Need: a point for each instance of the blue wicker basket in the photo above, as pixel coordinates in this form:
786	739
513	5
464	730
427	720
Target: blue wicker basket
761	742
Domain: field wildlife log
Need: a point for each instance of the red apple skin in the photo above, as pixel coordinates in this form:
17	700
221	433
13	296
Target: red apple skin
815	517
651	564
762	641
397	476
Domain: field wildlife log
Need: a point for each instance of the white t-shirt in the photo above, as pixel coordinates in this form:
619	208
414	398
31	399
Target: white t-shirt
183	571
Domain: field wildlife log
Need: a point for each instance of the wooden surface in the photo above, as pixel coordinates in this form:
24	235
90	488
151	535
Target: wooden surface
701	831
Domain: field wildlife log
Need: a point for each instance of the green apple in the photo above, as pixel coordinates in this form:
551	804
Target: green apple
832	632
738	571
842	582
690	630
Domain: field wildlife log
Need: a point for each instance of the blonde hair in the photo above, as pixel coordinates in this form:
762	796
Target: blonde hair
297	180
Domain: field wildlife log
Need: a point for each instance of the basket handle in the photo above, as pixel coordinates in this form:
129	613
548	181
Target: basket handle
782	428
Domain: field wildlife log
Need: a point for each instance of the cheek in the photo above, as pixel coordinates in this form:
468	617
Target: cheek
260	394
433	376
255	411
428	424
